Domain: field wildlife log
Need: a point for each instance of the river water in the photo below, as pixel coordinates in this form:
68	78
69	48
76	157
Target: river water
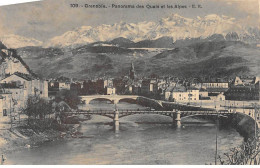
143	139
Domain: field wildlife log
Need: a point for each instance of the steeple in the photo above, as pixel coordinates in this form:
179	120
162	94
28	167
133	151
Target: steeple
132	66
132	72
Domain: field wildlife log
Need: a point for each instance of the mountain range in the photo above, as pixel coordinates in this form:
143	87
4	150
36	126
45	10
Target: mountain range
16	41
174	26
184	47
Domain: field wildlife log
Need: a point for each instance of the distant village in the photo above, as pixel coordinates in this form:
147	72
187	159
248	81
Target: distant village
18	82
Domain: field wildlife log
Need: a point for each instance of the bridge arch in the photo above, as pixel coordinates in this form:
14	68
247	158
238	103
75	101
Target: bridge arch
195	115
98	98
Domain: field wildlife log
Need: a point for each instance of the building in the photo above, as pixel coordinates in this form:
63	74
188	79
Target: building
6	104
217	96
53	85
17	82
21	86
239	81
196	83
64	85
108	83
168	93
11	63
149	86
243	92
215	86
203	93
207	85
110	90
180	93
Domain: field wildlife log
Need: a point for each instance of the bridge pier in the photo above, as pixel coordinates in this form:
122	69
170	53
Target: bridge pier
116	121
178	119
115	101
87	101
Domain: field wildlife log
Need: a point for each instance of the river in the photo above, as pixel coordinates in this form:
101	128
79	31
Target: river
143	139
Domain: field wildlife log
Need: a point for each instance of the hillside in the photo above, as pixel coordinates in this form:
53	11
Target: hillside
223	58
220	58
82	62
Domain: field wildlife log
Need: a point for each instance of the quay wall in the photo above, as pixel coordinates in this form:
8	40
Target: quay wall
149	103
243	123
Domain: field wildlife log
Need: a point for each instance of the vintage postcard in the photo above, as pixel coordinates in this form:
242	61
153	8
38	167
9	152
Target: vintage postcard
120	82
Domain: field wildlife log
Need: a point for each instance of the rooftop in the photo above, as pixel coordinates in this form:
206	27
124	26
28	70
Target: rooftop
179	89
217	89
25	76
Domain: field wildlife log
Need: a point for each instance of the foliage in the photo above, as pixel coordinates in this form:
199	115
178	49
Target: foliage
37	107
68	96
246	154
90	88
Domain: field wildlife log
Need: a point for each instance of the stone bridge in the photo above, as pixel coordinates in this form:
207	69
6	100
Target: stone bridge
116	98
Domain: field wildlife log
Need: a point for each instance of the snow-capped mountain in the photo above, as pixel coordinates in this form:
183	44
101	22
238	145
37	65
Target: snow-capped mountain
16	41
174	26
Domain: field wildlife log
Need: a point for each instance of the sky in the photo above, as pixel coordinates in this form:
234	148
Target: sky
48	18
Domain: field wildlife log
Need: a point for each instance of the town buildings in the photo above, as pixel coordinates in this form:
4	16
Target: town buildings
17	82
167	88
243	92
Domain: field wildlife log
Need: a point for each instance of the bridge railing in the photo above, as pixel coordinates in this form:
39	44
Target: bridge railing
101	111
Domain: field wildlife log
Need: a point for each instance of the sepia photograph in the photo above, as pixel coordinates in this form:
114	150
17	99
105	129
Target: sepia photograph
130	82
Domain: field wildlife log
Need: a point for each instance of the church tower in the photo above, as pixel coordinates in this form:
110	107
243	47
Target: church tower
132	72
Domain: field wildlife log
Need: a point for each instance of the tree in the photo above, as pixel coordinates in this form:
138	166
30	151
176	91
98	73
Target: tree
37	108
246	154
70	97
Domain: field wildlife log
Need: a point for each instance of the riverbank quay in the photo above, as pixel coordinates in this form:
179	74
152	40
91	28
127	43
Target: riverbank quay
22	135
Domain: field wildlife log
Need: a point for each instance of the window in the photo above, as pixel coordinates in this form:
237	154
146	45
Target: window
4	112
